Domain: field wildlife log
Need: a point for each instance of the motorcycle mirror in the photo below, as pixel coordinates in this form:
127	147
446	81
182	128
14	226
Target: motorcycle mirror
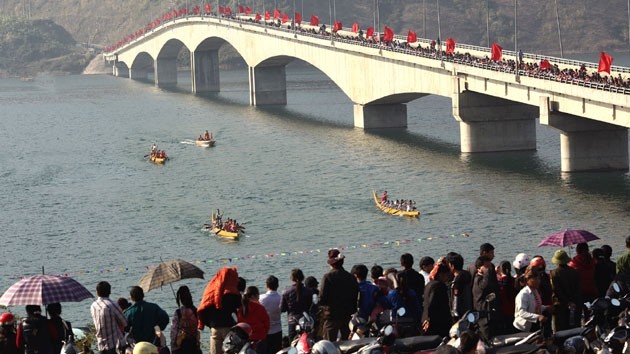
292	350
388	330
615	302
472	317
490	297
616	287
401	312
315	299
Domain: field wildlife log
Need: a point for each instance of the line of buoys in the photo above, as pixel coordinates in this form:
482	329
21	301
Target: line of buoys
227	260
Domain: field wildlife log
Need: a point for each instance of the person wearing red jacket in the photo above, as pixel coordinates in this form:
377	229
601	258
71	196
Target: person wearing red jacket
254	314
584	263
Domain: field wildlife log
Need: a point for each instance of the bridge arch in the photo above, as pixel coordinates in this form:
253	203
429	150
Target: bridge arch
141	66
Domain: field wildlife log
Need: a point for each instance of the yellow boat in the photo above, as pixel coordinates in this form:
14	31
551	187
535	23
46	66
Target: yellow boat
158	160
394	211
220	232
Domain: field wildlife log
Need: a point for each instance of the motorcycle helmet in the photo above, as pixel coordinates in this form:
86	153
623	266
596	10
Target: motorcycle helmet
521	261
306	323
145	348
325	347
574	345
7	318
236	338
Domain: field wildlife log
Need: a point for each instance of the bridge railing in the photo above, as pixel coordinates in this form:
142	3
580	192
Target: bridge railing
433	55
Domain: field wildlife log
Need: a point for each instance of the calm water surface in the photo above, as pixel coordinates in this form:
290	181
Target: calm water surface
79	198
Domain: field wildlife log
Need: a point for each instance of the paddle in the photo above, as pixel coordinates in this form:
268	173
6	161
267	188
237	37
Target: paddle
145	156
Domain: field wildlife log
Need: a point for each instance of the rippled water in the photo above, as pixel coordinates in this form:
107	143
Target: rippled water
79	198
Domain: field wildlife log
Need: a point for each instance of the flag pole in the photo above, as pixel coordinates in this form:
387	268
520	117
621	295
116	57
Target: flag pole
559	33
332	39
488	23
516	37
424	19
439	29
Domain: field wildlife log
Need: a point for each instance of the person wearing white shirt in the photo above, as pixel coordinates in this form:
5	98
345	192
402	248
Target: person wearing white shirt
271	300
528	310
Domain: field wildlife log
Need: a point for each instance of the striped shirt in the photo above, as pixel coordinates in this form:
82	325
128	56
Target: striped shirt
109	322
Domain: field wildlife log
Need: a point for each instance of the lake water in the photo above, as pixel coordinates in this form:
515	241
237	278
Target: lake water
79	198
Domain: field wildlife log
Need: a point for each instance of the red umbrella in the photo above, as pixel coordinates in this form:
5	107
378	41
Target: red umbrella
44	290
567	238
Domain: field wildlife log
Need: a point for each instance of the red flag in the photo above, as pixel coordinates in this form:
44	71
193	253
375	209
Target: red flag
208	9
605	62
497	52
370	32
389	34
545	64
298	18
228	11
276	14
221	9
248	11
257	18
355	27
411	37
450	45
241	9
196	10
314	20
285	18
337	26
267	15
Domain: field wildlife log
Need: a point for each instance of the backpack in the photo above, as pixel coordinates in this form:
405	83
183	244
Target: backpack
35	336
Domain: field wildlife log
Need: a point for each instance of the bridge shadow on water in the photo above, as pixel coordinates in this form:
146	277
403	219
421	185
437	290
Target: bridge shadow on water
615	185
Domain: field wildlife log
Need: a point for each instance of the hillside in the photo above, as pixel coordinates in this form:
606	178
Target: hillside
584	26
29	47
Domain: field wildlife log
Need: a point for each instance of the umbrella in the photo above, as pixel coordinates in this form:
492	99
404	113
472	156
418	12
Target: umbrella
567	238
44	290
169	272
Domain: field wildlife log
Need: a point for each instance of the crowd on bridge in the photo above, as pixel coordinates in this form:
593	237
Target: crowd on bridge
542	68
527	297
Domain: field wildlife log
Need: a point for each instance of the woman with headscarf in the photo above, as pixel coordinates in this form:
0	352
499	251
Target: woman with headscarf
184	332
219	302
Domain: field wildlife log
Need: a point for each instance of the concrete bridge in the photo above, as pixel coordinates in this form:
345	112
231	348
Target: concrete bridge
496	109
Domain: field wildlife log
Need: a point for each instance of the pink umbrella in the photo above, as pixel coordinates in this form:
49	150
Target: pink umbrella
44	290
567	238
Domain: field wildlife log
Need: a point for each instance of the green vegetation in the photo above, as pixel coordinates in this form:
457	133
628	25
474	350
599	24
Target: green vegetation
32	46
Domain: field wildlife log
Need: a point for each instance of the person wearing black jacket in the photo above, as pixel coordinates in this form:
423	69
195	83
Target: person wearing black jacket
483	285
61	330
415	280
337	298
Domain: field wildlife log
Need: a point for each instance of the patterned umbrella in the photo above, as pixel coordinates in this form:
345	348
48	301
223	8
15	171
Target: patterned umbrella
169	272
44	290
567	238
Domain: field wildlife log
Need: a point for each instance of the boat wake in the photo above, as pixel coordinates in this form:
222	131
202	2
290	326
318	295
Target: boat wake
187	142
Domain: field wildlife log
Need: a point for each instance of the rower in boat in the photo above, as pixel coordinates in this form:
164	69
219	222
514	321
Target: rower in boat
207	136
384	197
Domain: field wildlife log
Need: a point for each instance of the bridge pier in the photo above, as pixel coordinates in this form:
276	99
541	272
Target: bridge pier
586	144
138	74
165	72
267	85
120	70
204	66
490	124
380	116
